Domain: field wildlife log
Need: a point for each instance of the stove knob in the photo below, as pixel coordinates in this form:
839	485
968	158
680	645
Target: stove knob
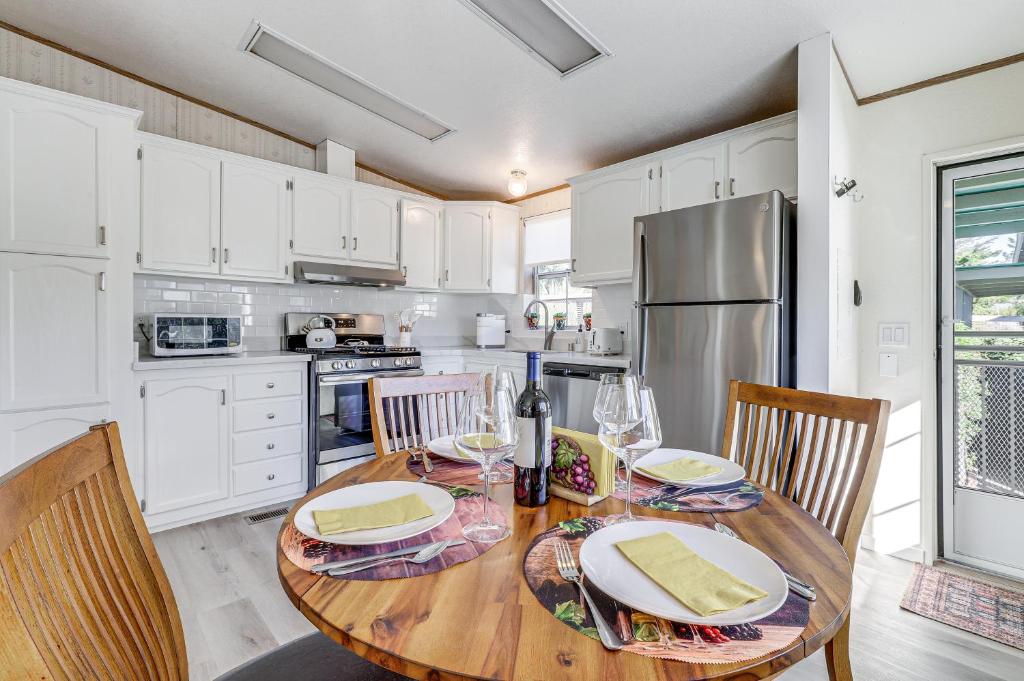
337	366
398	361
375	363
408	361
350	364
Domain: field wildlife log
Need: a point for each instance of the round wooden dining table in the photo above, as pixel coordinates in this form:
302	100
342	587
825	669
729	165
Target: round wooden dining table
479	619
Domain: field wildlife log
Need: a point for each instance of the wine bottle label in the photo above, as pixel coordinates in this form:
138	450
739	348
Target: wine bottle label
526	451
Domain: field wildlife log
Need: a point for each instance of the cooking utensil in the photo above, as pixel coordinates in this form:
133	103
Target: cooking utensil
321	337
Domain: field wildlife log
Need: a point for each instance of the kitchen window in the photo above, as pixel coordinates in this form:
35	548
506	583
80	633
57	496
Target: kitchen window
546	250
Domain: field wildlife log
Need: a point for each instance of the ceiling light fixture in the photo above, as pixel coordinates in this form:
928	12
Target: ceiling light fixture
302	62
517	183
545	30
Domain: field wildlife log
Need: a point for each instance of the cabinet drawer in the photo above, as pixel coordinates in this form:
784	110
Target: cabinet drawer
254	477
268	384
266	444
266	414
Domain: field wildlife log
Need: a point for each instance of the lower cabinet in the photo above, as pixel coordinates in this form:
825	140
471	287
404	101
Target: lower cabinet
27	434
221	440
448	364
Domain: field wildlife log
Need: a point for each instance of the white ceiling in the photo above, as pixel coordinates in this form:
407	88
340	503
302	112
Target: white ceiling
682	69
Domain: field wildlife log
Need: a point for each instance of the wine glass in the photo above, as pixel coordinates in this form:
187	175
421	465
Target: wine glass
487	431
631	442
494	379
608	383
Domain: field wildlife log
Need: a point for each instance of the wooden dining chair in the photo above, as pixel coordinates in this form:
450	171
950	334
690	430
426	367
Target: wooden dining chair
823	452
410	411
83	594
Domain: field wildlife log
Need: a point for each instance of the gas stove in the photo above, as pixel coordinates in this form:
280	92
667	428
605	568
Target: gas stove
360	347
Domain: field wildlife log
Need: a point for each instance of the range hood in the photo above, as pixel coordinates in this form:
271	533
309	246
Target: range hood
347	275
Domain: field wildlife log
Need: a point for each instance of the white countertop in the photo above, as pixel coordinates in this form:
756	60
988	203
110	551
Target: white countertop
148	362
519	357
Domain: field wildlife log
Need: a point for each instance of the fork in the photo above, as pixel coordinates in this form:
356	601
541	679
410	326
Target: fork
567	569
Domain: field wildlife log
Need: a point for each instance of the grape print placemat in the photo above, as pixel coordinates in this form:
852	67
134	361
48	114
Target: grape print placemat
452	473
733	496
469	507
643	633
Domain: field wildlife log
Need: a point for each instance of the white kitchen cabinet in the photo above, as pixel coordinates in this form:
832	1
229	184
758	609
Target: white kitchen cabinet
27	434
692	177
603	209
762	160
54	177
374	227
467	246
180	210
54	331
321	217
445	364
505	272
255	221
421	244
187	456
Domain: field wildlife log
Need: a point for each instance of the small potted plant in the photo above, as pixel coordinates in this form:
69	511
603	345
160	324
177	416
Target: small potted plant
533	320
586	321
559	321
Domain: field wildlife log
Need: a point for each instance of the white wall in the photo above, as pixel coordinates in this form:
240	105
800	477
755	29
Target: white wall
894	238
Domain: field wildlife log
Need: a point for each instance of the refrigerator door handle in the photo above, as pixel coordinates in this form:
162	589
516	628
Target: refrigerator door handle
639	298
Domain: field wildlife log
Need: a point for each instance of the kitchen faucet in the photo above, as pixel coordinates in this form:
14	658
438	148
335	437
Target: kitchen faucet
549	333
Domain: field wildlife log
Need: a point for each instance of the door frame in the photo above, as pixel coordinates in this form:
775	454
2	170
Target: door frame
930	323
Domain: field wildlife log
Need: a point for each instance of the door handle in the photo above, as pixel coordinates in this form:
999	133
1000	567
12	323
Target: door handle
213	255
355	243
732	186
103	235
223	396
102	281
344	242
225	255
271	416
718	186
405	270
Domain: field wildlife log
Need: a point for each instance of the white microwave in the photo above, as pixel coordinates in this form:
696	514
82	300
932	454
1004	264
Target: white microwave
190	334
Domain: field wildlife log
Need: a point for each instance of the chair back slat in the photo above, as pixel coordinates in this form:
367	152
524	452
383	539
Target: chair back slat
822	451
82	591
411	411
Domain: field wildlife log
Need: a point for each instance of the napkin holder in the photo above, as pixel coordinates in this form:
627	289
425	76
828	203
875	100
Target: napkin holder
602	463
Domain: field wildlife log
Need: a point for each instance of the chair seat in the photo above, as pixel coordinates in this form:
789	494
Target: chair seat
311	657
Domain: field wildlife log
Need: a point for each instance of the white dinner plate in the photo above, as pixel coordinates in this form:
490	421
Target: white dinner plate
445	447
439	501
611	572
731	471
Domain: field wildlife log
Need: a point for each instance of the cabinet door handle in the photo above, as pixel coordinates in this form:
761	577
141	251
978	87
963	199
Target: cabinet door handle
270	385
213	255
446	275
271	476
718	186
102	284
223	396
405	270
355	243
344	242
574	264
103	235
270	445
271	416
732	186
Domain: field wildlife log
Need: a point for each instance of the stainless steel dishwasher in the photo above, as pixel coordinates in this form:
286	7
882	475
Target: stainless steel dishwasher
572	389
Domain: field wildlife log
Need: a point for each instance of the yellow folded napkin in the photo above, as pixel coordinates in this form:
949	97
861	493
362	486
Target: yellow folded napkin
371	516
701	586
681	470
569	445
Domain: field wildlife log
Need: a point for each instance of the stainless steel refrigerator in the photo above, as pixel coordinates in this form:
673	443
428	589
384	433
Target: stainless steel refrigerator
714	288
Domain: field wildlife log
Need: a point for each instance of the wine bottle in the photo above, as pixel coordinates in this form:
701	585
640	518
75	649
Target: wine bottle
533	455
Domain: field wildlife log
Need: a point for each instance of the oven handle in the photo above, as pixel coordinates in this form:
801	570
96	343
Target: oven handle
332	379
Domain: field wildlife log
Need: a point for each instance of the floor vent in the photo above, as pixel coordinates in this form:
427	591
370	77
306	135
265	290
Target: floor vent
264	516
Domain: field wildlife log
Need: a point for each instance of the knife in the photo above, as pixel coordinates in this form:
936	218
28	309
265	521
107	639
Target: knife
324	567
796	585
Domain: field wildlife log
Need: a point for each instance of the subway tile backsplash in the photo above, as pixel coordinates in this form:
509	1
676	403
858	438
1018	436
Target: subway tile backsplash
448	318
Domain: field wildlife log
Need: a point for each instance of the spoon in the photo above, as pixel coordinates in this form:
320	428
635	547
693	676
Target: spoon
423	556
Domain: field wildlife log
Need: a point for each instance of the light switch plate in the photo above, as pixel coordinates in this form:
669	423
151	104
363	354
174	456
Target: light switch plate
893	335
888	364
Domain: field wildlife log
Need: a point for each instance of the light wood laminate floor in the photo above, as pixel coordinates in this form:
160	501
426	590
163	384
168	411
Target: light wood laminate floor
225	581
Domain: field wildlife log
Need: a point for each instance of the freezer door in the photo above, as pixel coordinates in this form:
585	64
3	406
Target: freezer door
690	354
724	251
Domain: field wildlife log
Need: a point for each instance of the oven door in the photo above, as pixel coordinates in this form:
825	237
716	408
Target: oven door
343	430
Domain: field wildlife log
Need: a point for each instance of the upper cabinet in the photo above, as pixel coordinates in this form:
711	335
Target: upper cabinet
321	211
467	239
180	210
742	162
603	209
374	227
504	277
762	160
692	177
54	177
255	221
421	244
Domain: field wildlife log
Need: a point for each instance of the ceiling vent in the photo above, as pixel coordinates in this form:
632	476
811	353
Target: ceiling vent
545	30
311	67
